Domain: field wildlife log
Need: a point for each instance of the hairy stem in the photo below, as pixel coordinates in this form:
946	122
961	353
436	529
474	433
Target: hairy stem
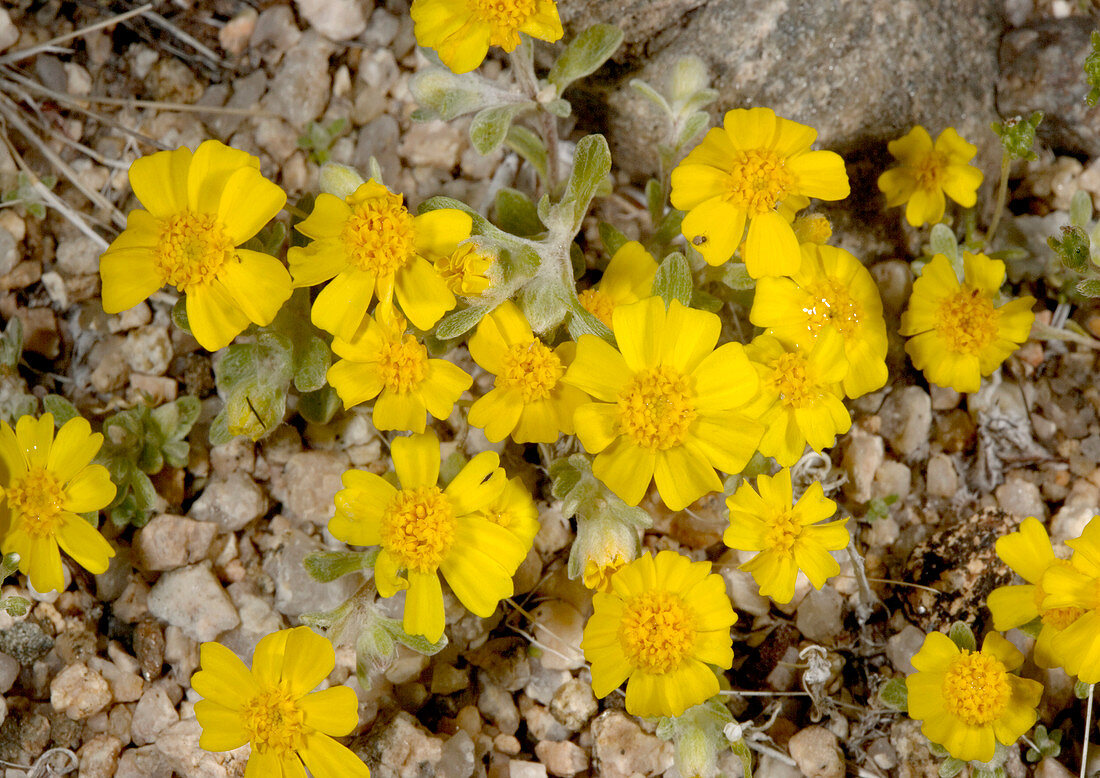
1002	199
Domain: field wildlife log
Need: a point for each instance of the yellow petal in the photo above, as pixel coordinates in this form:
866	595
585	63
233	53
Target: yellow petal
422	293
307	661
439	232
478	483
259	285
820	174
221	727
248	202
497	413
771	249
683	476
424	606
129	276
160	181
214	316
211	167
73	449
626	469
400	411
690	335
715	228
326	758
639	329
1028	551
598	369
416	460
84	544
89	490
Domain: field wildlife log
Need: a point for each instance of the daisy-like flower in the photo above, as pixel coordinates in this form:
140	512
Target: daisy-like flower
957	332
628	278
1071	589
528	401
461	31
831	290
386	362
756	168
968	701
424	531
272	706
801	395
789	538
662	626
514	510
668	404
927	172
466	271
44	483
199	209
1029	553
369	245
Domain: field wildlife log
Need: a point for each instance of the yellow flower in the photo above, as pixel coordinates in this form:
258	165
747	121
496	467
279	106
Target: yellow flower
1029	553
662	626
668	403
461	31
384	361
756	168
528	400
812	228
291	729
46	482
967	700
1076	587
927	172
800	395
424	531
515	510
627	279
369	245
831	290
199	208
466	270
788	538
958	332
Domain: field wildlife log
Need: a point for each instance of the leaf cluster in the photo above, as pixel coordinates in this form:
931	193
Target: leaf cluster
26	197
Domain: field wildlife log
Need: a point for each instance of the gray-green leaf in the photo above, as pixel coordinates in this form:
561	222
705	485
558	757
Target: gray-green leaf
673	281
490	127
585	54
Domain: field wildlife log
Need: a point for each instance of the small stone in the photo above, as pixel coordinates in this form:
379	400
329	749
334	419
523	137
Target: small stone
562	758
25	641
337	20
893	479
544	682
432	144
520	769
907	421
99	757
941	480
620	748
236	33
144	762
149	648
180	746
902	647
148	350
126	686
9	33
9	671
559	627
1022	499
230	502
275	30
77	254
313	478
542	725
817	753
296	591
1052	768
448	679
299	91
192	599
506	744
153	714
40	331
1070	520
497	706
820	616
168	542
405	747
457	757
574	704
504	662
862	459
79	692
9	252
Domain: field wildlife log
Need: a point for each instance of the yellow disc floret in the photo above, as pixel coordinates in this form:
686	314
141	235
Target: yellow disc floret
657	408
504	18
379	236
758	180
191	249
403	364
792	379
465	270
599	304
968	321
975	688
418	528
832	303
532	368
657	631
37	497
274	721
929	170
782	532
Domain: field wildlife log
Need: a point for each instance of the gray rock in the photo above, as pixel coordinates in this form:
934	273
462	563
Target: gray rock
457	756
1041	71
544	682
192	599
77	254
247	92
148	350
168	542
541	725
9	33
574	704
180	746
258	618
337	20
9	252
941	480
817	753
821	615
153	714
79	692
295	591
517	768
299	91
562	758
9	671
902	647
862	459
230	502
402	747
1021	498
25	641
144	762
497	706
559	626
378	138
892	479
99	757
312	481
620	748
907	421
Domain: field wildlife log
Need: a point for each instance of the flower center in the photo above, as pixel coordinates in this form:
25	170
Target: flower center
975	688
1059	618
418	528
793	380
657	408
812	228
832	303
273	720
532	368
191	249
379	236
36	497
504	17
598	304
782	532
967	321
403	363
929	171
464	270
657	631
758	180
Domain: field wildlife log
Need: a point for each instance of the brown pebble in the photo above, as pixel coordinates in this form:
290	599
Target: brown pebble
149	648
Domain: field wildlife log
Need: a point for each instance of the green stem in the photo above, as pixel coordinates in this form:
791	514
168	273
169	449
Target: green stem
1002	199
523	67
1088	726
